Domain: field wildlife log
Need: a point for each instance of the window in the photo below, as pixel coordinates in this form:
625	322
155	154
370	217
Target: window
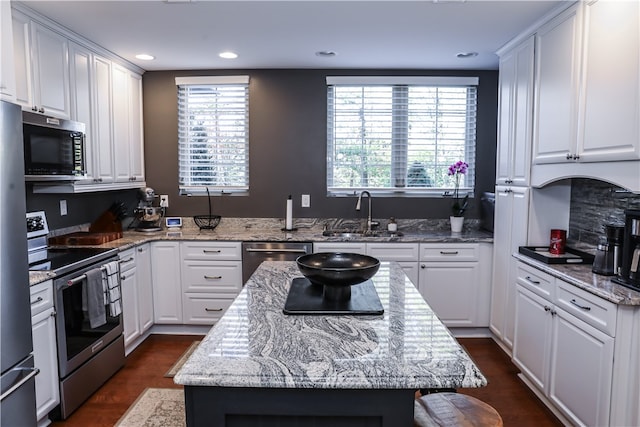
213	134
398	135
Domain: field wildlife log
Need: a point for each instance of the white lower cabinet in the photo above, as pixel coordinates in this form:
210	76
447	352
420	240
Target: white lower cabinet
137	296
165	275
211	277
350	247
45	351
568	360
455	282
405	254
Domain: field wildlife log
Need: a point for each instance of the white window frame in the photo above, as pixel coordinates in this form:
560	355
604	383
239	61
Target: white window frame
238	135
399	156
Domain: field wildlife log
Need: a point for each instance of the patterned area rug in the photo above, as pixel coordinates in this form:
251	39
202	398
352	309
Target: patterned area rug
176	366
156	407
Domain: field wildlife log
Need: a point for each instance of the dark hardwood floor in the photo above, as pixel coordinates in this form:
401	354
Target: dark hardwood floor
146	366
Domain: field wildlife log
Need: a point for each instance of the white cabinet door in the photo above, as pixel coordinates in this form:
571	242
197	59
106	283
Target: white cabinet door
167	290
515	115
136	138
22	60
511	219
532	341
41	60
50	56
145	289
102	128
610	99
129	306
7	68
557	71
120	115
355	248
581	370
45	355
452	291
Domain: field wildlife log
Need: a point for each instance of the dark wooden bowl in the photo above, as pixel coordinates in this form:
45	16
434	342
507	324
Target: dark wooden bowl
336	269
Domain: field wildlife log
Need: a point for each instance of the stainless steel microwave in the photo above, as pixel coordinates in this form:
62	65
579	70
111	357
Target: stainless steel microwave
53	148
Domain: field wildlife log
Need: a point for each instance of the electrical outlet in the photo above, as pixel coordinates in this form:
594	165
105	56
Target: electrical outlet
306	201
164	201
63	207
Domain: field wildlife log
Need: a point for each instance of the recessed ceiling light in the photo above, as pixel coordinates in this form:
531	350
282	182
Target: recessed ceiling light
228	55
145	57
326	53
467	54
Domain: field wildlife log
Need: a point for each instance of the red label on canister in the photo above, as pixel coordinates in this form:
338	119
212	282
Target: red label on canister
557	241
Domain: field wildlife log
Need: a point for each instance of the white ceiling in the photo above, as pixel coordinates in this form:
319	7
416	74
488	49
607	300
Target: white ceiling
418	34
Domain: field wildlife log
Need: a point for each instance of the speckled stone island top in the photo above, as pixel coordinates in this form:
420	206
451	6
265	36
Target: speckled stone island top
256	345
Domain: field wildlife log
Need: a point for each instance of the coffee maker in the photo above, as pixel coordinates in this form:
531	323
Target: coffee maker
630	270
608	257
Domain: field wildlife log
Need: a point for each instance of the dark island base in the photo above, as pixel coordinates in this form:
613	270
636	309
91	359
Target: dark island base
266	407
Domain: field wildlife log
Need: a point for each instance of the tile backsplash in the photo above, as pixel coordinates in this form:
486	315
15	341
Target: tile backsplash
596	203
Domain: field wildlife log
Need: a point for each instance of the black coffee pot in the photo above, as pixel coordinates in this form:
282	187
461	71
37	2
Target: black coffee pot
609	251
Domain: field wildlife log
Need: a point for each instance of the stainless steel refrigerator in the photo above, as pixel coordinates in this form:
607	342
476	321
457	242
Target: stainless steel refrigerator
17	380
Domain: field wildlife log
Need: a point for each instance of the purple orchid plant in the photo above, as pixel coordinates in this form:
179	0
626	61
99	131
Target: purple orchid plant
456	170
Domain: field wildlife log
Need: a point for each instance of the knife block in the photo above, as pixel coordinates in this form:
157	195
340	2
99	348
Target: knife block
107	222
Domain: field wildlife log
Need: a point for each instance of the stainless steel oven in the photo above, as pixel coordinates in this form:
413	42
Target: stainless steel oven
89	353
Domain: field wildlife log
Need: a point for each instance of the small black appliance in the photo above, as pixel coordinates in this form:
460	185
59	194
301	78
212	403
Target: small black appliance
608	257
630	269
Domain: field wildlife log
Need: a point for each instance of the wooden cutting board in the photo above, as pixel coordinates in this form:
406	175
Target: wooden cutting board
85	238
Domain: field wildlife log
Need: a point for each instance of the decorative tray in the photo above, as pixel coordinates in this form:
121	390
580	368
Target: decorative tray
570	256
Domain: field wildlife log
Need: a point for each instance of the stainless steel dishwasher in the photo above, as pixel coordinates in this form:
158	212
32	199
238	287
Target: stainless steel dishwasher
253	253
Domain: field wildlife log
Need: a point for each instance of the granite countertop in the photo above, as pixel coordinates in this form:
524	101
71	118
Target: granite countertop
269	229
256	345
581	276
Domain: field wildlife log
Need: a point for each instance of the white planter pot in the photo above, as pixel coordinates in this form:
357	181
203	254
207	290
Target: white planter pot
456	223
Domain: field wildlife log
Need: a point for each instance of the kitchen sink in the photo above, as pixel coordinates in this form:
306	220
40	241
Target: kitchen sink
359	233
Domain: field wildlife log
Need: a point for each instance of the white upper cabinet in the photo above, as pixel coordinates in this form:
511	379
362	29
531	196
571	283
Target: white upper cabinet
610	91
556	106
7	69
587	105
41	59
515	114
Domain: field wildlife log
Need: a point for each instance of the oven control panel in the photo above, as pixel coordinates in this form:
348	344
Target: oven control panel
37	224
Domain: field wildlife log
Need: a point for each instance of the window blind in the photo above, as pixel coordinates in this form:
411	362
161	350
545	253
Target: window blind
213	134
399	138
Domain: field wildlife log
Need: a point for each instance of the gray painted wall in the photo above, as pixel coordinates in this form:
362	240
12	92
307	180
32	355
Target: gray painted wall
287	131
287	153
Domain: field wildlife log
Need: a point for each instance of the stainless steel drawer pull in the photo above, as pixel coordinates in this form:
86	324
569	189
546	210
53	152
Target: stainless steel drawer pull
530	280
293	251
37	300
126	260
448	252
212	277
582	307
212	309
211	251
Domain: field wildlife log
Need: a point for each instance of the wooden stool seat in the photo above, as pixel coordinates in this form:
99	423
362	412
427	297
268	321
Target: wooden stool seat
454	409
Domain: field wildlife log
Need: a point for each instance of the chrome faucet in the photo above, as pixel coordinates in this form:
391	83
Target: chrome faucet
370	223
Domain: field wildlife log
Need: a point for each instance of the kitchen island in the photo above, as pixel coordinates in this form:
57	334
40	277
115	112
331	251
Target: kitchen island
258	366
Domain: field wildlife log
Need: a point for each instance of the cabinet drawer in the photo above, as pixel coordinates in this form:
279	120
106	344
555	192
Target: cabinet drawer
204	309
393	251
597	312
223	277
211	250
448	252
348	247
127	259
41	297
536	281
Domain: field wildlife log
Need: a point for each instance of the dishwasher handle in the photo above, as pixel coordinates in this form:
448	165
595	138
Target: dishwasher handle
283	250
